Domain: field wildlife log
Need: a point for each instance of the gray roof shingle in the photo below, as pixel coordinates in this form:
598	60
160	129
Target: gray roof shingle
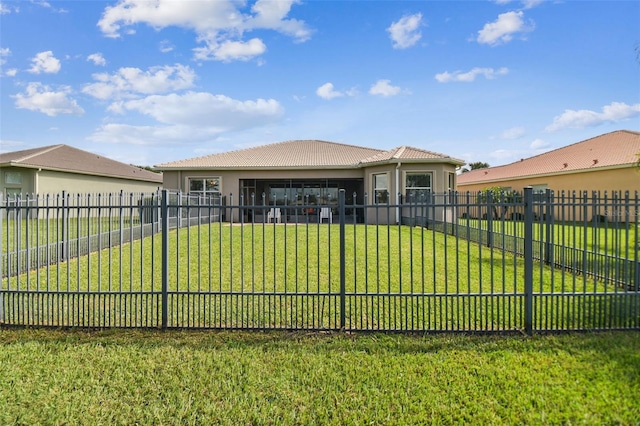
68	159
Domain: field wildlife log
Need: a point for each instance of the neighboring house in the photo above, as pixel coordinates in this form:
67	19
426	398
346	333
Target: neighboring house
604	163
311	172
57	168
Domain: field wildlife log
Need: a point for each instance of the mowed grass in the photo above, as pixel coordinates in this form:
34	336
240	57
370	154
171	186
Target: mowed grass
252	276
611	238
304	258
196	378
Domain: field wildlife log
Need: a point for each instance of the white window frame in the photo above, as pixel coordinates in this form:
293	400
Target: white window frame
451	181
13	178
407	188
204	180
380	193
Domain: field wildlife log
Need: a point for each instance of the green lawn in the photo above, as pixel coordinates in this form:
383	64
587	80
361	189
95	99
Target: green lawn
610	238
252	276
196	378
268	258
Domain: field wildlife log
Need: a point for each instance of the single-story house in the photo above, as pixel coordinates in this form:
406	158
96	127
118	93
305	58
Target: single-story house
604	163
310	172
57	168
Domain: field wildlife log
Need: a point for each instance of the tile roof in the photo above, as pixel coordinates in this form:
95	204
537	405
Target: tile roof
68	159
304	154
613	149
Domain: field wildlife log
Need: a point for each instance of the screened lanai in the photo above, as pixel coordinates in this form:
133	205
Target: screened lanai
301	198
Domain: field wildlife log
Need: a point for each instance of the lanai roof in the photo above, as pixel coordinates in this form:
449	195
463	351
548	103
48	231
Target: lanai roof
306	154
615	149
65	158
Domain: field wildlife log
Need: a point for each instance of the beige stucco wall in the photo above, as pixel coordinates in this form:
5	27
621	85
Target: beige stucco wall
25	187
51	182
621	179
230	179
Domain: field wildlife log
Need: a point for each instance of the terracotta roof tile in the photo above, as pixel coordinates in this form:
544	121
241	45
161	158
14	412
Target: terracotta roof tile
301	154
611	149
68	159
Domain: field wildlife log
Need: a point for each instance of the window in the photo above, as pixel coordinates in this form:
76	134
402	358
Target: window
417	185
451	181
380	188
540	189
13	178
204	186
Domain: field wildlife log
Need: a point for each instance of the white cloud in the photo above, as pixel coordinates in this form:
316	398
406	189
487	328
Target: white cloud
44	62
219	24
469	76
503	29
326	91
129	81
384	88
4	52
512	133
4	9
97	59
150	135
228	50
194	117
406	32
11	72
529	4
39	97
539	144
206	110
612	113
270	14
165	46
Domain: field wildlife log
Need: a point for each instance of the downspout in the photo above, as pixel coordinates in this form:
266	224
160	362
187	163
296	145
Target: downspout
398	192
36	182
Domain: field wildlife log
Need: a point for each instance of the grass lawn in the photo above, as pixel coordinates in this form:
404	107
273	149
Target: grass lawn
249	276
152	377
614	239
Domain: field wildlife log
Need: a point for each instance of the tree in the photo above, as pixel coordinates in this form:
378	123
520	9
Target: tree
474	166
500	197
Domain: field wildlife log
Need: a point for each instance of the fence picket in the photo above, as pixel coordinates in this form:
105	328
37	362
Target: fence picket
446	263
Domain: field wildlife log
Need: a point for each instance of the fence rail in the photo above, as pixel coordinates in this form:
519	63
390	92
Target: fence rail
447	262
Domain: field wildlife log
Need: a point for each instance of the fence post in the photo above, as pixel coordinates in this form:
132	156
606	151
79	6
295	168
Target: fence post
2	256
548	221
490	218
65	244
164	214
341	213
528	260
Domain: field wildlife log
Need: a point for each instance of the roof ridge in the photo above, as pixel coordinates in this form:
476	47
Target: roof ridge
241	150
43	150
399	151
567	146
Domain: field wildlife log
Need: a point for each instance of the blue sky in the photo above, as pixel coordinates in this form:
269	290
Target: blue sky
146	82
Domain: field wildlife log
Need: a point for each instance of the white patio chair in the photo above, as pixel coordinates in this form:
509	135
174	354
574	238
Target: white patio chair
274	214
326	213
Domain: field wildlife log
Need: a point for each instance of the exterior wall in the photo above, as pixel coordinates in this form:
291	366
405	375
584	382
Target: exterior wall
52	182
26	184
622	179
230	181
49	182
397	184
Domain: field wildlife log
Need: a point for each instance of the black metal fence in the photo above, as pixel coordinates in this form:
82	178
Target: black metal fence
441	262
